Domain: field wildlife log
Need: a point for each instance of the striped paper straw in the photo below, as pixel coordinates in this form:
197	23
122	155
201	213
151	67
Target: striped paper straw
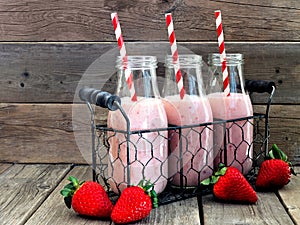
121	44
174	52
222	52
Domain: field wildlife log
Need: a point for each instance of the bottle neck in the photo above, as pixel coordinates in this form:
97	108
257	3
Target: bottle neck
234	63
191	75
142	70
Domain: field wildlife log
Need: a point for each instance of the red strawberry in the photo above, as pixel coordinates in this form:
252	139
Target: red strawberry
87	198
231	185
274	173
135	203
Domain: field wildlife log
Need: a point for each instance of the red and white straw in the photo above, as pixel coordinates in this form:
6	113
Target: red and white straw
128	73
222	52
174	51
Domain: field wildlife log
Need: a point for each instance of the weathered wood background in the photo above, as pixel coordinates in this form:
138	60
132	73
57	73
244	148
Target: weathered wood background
48	45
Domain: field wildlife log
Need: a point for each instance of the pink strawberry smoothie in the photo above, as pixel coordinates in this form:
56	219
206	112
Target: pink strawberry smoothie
197	142
239	134
148	151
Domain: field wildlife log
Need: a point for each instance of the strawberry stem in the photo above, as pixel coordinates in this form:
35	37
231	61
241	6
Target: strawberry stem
215	177
148	187
69	190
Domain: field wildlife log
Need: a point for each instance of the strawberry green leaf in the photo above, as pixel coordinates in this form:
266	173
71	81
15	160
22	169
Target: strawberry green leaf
74	181
206	181
221	171
69	186
277	153
154	198
66	192
141	183
211	180
214	178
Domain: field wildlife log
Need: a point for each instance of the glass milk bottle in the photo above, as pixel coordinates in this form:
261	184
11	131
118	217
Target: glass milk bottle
191	153
235	148
148	150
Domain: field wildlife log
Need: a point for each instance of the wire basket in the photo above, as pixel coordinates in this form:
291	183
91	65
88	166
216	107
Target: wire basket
116	172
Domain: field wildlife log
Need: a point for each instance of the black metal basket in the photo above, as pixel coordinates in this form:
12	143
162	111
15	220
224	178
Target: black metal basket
101	136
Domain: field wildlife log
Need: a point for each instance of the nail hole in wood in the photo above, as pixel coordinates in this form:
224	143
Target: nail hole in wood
25	74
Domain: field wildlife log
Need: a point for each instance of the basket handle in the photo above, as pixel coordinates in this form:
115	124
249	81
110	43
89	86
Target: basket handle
99	98
260	86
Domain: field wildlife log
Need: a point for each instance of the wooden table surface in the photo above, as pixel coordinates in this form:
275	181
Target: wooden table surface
30	195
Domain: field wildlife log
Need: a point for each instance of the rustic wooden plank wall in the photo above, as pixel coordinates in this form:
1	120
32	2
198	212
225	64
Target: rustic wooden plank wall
144	20
47	46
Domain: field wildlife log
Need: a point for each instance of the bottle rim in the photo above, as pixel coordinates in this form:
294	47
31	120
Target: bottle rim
231	59
184	60
137	62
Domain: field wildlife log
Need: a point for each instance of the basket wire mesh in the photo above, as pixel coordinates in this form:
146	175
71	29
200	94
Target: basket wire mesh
103	166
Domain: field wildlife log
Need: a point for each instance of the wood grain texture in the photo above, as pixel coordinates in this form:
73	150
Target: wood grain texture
194	20
44	132
268	210
44	72
280	111
54	211
4	166
181	212
25	187
47	133
290	195
54	73
286	134
284	128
